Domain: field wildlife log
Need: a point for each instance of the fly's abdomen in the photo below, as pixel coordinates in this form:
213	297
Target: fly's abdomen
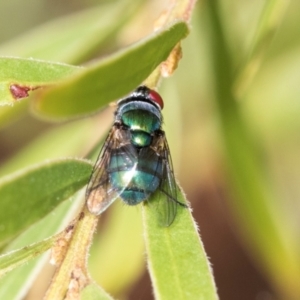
135	179
140	188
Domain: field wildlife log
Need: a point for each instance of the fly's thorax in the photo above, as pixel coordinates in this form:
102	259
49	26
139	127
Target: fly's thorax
142	119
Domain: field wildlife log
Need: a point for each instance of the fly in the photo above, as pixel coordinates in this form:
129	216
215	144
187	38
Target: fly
135	161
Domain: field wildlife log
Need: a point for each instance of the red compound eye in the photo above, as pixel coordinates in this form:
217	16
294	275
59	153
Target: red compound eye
155	97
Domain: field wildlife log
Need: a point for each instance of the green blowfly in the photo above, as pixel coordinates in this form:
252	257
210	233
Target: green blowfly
135	161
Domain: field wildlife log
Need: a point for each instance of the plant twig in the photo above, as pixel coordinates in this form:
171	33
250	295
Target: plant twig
70	254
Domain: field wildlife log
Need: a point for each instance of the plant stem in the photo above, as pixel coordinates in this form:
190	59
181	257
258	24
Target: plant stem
71	275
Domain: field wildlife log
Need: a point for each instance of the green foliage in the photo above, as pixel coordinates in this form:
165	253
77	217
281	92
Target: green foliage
15	258
15	284
96	86
248	179
33	193
171	251
54	88
28	73
235	93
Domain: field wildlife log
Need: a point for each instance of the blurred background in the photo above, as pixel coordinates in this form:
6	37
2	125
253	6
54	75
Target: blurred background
262	40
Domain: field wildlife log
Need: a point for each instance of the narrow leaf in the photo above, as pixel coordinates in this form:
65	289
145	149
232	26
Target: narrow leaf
177	262
29	195
253	200
15	284
109	79
19	76
11	260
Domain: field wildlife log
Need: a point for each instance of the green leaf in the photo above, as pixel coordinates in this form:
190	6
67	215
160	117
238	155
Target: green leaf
29	195
28	74
11	260
177	262
15	285
107	80
83	32
253	201
94	292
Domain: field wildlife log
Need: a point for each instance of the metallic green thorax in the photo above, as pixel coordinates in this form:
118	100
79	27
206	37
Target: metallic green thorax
142	119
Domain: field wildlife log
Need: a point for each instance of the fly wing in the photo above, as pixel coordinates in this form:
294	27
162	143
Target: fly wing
167	204
100	193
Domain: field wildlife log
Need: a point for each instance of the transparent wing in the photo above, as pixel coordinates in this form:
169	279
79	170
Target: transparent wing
167	204
100	193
